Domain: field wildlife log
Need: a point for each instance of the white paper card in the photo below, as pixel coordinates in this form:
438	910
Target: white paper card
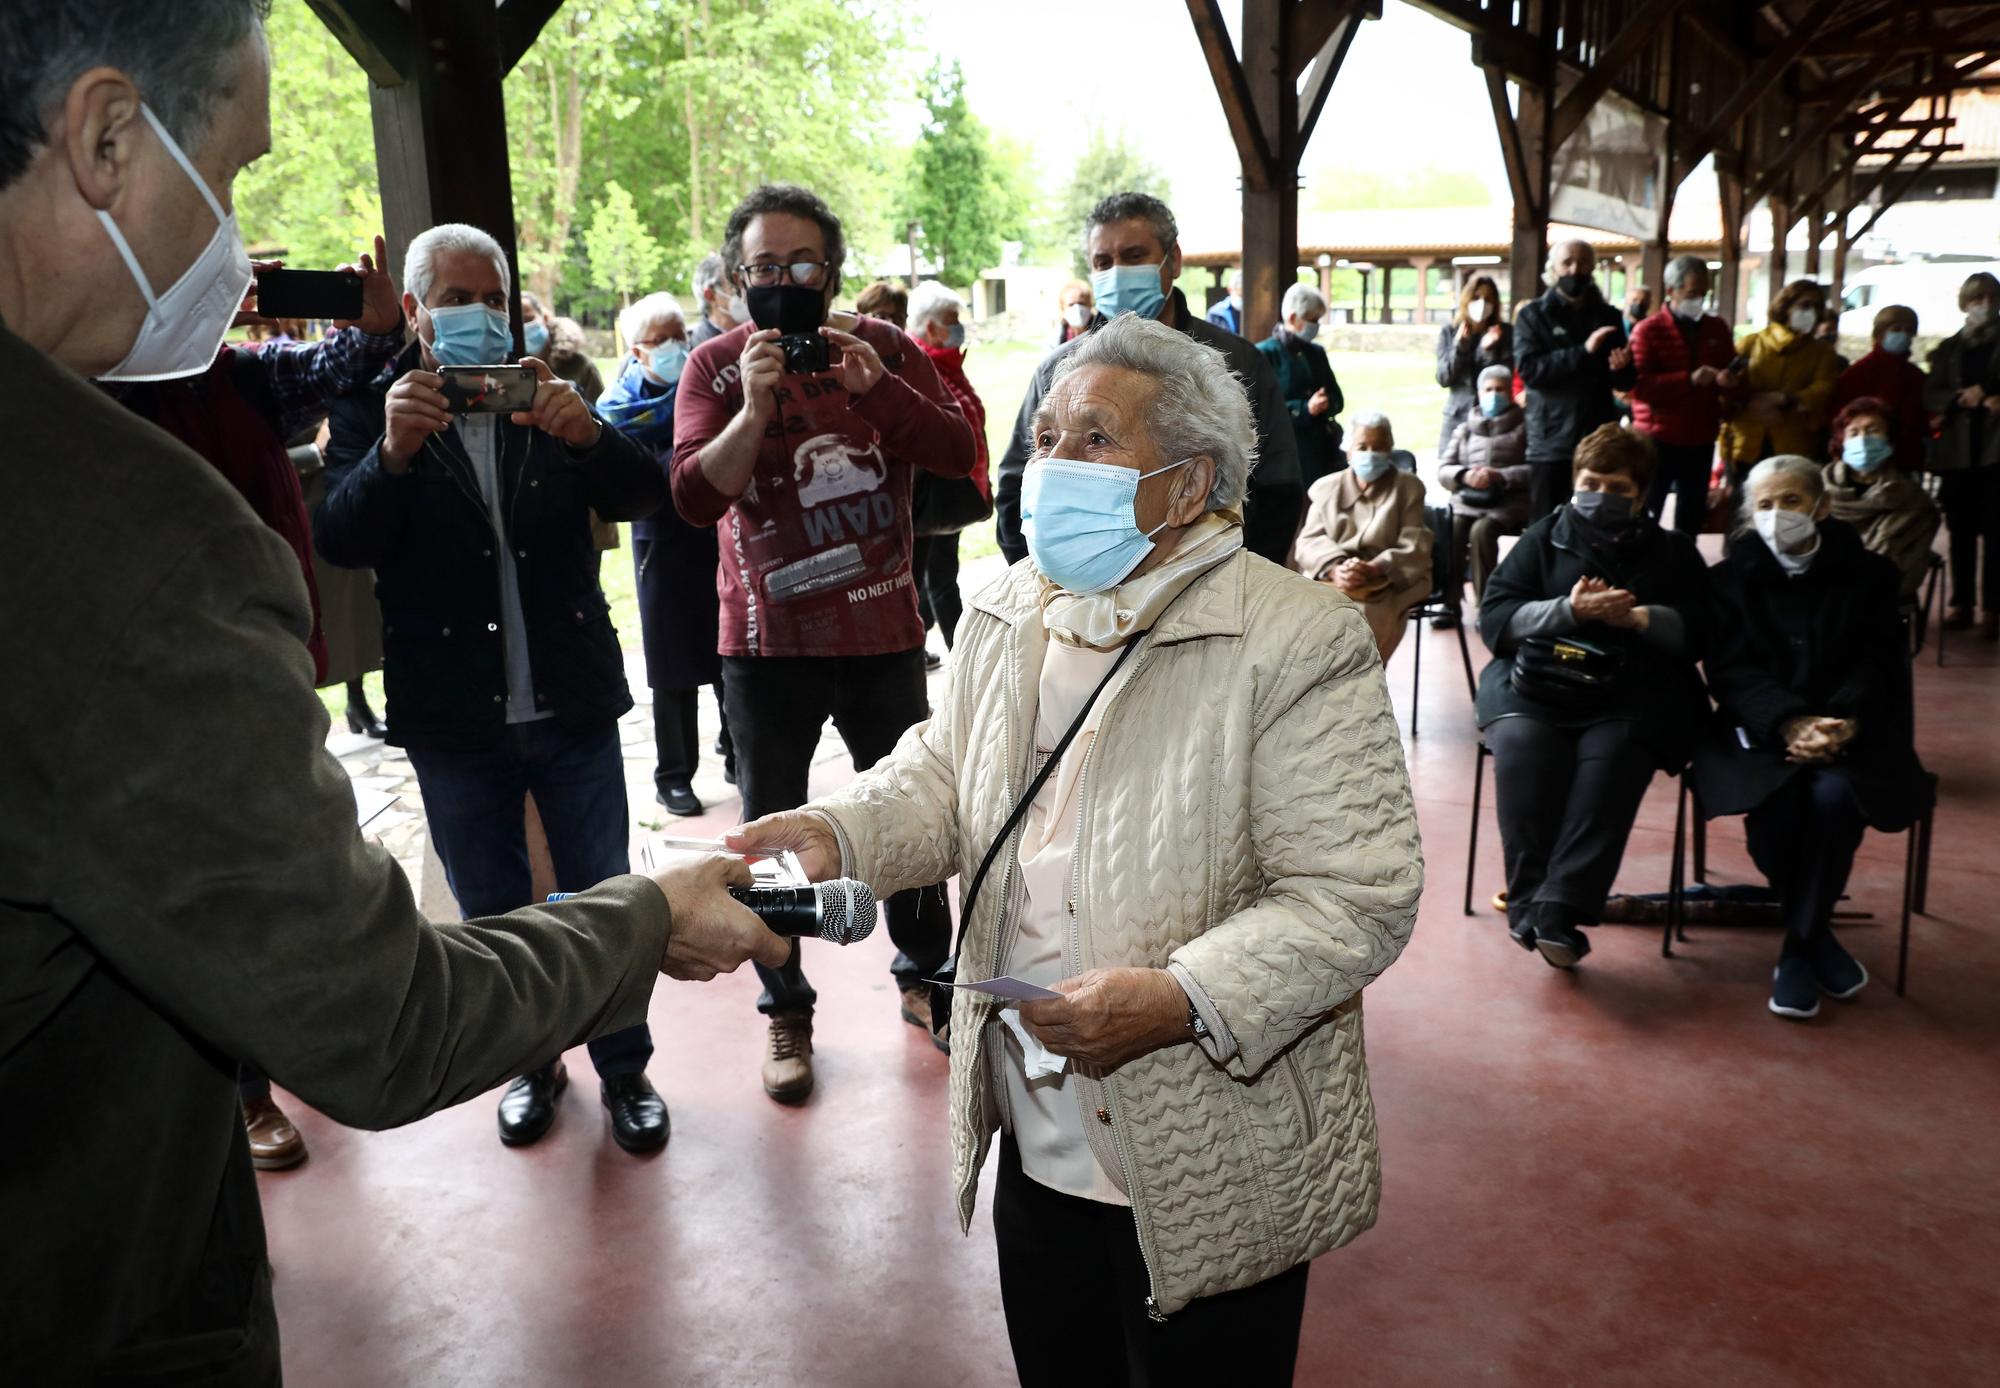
1009	990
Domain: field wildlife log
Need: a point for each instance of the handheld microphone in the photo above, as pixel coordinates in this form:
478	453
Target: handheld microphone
840	912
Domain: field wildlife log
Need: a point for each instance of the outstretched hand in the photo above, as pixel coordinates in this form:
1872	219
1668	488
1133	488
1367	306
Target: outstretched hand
807	835
712	932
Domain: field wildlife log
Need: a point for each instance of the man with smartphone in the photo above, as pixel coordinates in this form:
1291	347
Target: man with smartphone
467	483
804	461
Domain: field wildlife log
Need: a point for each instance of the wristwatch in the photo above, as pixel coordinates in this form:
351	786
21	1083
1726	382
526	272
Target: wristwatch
1196	1024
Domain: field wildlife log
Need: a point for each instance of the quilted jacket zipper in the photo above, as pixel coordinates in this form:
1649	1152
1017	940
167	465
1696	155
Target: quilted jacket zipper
1308	1114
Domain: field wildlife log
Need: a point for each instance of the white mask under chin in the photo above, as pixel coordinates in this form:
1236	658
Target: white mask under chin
183	327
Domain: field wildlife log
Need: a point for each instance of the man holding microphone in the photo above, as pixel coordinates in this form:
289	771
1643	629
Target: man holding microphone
182	884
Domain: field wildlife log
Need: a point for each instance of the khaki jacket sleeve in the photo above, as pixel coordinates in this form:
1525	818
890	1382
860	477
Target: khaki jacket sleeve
1316	551
1335	833
898	822
210	855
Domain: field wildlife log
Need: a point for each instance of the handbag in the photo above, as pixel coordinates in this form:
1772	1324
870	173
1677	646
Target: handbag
1481	498
946	505
1565	673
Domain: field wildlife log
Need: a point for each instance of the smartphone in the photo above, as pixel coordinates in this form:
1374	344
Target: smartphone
489	389
309	294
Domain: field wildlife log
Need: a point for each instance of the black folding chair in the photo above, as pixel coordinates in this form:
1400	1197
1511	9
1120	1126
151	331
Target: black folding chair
1444	576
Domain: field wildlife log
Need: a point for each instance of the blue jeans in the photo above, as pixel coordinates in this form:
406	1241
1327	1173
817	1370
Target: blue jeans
475	803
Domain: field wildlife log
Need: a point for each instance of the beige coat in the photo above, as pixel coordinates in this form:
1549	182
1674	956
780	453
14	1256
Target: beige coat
1244	815
1383	521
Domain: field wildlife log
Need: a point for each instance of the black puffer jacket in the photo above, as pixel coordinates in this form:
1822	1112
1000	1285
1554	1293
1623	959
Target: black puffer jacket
1828	643
435	556
1569	388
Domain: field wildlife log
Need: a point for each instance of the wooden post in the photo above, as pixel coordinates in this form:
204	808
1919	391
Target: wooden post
1839	283
1729	282
1388	299
1524	146
1422	265
1779	263
1270	205
1815	220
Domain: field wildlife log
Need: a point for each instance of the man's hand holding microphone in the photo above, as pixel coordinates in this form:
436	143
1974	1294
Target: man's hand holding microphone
712	932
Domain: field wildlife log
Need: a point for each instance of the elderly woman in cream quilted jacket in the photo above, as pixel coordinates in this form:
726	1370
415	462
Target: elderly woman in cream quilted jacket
1221	855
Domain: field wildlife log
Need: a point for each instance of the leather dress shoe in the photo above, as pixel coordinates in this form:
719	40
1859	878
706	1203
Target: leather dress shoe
680	799
639	1120
274	1143
528	1108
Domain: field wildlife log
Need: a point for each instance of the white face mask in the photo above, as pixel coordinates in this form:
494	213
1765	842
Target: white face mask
1077	315
1804	320
183	327
1979	315
738	309
1689	309
1476	311
1784	531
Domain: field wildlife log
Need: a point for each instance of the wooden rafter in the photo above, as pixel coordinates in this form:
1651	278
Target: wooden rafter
1815	130
1233	88
375	33
1639	30
1768	70
1890	200
520	23
1331	57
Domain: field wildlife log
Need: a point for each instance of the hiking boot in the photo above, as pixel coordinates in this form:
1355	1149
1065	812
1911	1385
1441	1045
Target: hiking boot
788	1067
916	1003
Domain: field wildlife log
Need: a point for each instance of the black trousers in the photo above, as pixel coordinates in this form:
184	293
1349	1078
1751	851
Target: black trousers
777	706
1550	484
1073	1286
1566	799
1271	517
1803	839
934	562
1683	469
1971	504
677	734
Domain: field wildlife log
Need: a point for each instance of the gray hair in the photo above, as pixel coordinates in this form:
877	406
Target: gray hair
1549	265
643	313
1199	405
1370	419
420	261
1302	299
1682	266
712	273
1503	374
930	301
1805	470
1121	207
183	58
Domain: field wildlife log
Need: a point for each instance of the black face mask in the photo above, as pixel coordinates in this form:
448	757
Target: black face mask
1603	510
1574	286
790	308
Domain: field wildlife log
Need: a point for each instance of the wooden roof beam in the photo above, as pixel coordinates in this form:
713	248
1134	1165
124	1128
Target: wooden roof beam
1768	70
1233	89
1892	199
1311	24
1639	30
520	23
375	33
1816	129
1332	56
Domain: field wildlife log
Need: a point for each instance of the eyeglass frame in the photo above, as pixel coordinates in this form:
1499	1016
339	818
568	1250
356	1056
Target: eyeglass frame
783	270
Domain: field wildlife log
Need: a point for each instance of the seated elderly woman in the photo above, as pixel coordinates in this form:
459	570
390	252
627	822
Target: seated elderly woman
1485	468
1594	619
1812	738
1865	489
1367	535
1169	773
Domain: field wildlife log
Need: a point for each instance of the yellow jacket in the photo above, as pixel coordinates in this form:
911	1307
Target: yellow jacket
1801	367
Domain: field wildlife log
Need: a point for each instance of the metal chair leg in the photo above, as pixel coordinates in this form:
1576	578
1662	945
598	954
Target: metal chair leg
1416	672
1923	892
1465	656
1700	845
1472	833
1909	897
1673	925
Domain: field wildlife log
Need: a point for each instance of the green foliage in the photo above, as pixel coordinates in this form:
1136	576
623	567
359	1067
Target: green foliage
1110	163
315	193
1348	190
624	256
967	197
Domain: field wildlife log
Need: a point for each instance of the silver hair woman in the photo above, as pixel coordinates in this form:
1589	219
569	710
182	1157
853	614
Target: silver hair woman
1187	1100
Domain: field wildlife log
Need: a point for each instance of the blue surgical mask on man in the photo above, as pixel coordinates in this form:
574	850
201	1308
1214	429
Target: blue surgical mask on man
1866	452
1369	466
1492	402
535	333
1896	343
470	335
1079	521
1128	289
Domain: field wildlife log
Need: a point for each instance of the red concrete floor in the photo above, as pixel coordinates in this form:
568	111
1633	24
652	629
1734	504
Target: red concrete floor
1633	1175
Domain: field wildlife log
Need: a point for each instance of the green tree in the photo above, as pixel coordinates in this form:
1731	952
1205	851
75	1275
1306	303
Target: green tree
1110	163
966	198
624	256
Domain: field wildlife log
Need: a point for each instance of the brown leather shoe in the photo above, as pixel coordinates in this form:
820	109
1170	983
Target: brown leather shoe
788	1066
274	1143
917	1012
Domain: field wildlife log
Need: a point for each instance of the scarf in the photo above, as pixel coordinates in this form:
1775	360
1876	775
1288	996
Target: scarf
639	407
1107	620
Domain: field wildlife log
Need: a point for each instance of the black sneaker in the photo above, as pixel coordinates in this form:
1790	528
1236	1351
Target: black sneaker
680	799
1794	990
1838	973
1561	945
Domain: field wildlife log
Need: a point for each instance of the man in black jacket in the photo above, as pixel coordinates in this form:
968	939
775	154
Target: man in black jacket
503	672
1135	256
1570	349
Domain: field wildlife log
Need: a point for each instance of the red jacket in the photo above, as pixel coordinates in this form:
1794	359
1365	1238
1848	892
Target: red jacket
1898	384
950	364
1666	405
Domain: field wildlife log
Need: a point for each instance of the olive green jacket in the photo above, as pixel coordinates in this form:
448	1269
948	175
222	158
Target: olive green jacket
183	887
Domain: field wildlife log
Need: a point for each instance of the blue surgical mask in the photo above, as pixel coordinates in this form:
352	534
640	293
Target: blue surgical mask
1866	453
470	335
1369	466
1897	343
1492	402
1603	508
669	358
536	334
1079	521
954	336
1128	289
1309	330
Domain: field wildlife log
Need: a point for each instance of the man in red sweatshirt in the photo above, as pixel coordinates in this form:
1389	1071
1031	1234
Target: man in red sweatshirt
807	469
1887	374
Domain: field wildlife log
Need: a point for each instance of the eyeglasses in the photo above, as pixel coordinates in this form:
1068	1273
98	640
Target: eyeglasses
801	272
